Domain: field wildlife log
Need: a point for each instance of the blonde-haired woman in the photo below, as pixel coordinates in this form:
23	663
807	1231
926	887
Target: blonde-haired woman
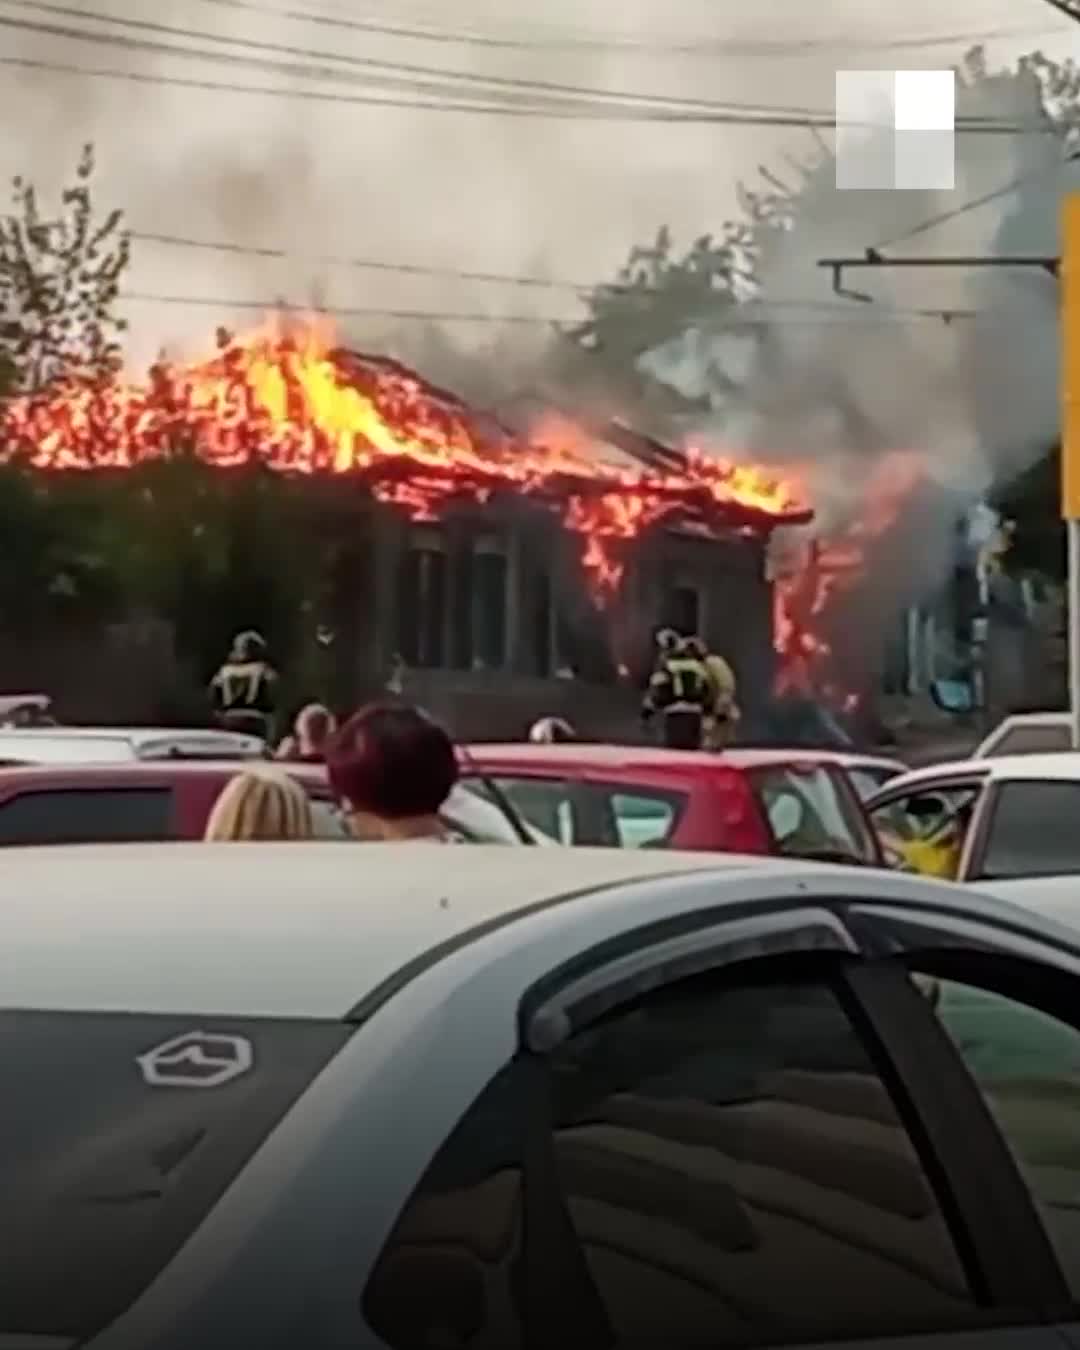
260	804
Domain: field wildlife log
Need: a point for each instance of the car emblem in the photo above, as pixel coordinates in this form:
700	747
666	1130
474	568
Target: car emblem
197	1059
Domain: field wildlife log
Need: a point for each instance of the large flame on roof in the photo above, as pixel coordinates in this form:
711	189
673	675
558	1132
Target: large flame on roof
288	400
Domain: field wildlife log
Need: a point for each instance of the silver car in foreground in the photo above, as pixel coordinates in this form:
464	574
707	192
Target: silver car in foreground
294	1097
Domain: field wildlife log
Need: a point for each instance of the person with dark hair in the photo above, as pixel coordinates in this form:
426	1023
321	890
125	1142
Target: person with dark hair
392	769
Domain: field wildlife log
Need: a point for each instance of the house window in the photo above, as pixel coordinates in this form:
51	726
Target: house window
542	626
479	629
422	601
682	608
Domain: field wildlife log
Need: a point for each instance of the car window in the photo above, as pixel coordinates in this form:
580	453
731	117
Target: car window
730	1167
87	816
545	803
925	830
328	820
810	814
107	1166
1027	1066
1030	739
1034	831
867	782
645	819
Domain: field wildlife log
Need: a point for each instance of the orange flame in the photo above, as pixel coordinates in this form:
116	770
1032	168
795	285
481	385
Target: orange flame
288	401
828	570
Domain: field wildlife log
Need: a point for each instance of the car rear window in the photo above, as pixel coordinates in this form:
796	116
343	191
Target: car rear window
1034	831
87	816
811	814
109	1160
1031	740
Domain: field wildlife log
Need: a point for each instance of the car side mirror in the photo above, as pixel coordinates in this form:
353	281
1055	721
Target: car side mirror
956	697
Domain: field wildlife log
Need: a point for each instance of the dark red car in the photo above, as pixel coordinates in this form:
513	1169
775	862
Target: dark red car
128	802
134	801
742	801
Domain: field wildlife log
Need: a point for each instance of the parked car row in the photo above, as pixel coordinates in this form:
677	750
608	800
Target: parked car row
989	819
629	1098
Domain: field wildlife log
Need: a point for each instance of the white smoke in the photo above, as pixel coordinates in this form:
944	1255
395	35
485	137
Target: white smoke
836	384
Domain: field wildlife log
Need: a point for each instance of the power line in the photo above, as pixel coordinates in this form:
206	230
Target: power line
362	264
512	83
689	46
569	114
845	319
592	102
347	311
973	203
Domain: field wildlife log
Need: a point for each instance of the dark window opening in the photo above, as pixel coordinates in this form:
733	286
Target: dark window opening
489	601
88	816
542	626
682	609
422	598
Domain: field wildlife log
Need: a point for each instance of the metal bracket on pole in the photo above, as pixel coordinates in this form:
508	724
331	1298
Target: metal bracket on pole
872	258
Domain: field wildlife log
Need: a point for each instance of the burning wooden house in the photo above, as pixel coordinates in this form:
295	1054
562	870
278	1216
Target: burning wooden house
510	572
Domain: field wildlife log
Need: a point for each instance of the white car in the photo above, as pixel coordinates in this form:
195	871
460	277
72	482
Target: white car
1028	734
868	773
115	745
996	819
287	1096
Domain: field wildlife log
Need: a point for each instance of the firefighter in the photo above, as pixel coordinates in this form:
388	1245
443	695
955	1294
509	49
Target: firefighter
244	690
680	691
724	714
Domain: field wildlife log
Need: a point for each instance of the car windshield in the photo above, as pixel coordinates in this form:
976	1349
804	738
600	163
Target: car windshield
811	815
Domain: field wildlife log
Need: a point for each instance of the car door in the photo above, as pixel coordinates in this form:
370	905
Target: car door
1010	1011
717	1138
925	827
1027	828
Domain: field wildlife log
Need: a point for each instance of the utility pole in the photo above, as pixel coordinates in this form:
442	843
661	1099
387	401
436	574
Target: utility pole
1070	436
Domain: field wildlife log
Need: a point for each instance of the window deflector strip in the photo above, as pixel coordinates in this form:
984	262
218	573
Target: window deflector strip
655	965
908	932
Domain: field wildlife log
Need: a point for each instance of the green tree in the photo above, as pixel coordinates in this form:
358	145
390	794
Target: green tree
60	277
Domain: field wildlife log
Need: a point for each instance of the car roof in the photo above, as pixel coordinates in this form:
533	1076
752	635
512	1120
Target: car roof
309	930
137	735
1058	764
580	755
152	770
281	930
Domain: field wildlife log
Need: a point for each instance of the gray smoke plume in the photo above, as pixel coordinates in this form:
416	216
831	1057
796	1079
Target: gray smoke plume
843	388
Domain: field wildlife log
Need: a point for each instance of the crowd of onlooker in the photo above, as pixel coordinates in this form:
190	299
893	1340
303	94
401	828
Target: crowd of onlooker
391	769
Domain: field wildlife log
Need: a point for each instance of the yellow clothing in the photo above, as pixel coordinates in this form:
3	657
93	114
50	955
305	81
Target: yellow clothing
724	715
933	857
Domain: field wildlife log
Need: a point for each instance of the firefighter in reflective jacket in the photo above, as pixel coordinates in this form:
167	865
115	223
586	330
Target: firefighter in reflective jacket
680	691
244	690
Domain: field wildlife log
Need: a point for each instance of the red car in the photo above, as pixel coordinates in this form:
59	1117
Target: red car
136	801
128	802
742	801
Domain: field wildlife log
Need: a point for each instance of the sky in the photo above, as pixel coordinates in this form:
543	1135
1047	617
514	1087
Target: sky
558	200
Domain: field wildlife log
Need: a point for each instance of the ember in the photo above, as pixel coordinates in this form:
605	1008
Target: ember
290	401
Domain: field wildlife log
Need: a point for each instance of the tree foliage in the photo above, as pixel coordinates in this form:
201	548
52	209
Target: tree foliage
60	277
